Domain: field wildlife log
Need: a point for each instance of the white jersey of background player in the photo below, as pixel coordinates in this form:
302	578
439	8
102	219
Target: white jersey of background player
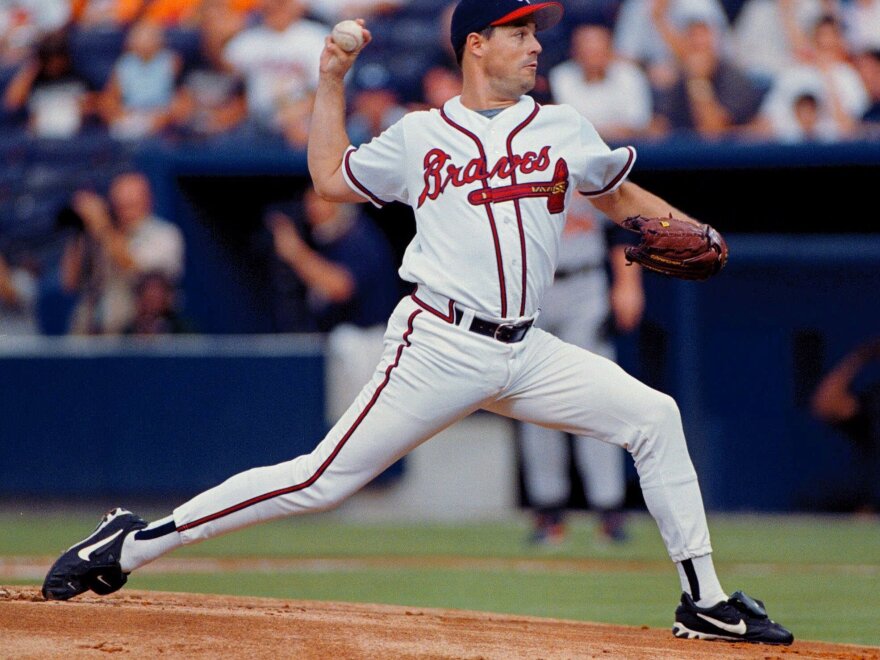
580	308
489	196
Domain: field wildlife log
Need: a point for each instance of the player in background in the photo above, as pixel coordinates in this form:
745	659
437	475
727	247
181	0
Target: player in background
585	309
489	177
848	398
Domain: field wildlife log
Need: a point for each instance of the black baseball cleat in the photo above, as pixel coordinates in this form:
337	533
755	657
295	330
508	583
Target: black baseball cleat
738	619
93	563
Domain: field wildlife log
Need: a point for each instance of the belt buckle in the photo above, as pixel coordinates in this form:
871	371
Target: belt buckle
503	327
509	333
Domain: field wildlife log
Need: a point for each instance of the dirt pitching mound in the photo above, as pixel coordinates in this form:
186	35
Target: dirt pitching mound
173	625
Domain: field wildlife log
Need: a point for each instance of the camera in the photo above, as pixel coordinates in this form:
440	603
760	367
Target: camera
68	218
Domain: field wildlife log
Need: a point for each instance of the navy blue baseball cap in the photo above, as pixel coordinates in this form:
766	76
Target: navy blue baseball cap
476	15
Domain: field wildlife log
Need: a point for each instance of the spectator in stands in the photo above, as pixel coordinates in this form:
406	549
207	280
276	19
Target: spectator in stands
156	310
118	243
333	11
862	21
57	99
105	14
808	122
23	23
808	118
439	84
218	21
637	36
345	265
18	297
111	14
826	73
710	95
772	35
613	94
278	60
856	412
137	99
342	259
869	69
211	98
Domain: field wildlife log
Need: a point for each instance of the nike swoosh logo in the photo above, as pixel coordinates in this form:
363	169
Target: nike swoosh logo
738	629
101	579
85	553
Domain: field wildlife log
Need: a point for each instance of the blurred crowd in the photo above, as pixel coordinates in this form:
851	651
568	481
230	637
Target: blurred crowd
779	70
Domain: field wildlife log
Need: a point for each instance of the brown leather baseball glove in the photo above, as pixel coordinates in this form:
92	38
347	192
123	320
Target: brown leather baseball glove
681	248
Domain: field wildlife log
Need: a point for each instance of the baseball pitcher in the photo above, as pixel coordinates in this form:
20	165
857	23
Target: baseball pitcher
489	177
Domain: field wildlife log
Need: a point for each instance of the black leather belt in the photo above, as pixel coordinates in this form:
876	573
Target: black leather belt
507	333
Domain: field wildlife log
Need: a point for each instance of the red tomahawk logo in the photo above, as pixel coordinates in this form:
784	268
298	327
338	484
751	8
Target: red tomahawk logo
553	190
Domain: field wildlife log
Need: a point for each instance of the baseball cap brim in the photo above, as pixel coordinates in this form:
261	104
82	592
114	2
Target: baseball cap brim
546	14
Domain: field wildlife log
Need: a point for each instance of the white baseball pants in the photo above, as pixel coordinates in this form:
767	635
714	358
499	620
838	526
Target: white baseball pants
433	373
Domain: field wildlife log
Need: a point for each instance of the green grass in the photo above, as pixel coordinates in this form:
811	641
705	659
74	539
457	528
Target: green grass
820	576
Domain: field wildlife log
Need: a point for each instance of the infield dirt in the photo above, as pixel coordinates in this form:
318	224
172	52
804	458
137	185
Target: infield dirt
172	625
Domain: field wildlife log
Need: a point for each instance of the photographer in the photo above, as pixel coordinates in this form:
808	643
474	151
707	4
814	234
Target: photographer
106	259
857	414
337	275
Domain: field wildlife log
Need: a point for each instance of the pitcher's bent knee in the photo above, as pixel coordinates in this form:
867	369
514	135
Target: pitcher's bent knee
661	417
660	446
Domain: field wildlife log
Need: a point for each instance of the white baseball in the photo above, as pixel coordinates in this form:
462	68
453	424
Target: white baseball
348	35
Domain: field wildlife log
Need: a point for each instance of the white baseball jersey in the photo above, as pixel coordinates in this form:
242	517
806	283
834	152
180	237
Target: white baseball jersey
487	194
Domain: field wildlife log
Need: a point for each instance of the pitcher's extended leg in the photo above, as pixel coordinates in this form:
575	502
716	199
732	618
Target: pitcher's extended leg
394	413
565	387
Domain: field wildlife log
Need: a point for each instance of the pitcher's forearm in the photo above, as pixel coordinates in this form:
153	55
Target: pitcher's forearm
328	138
630	199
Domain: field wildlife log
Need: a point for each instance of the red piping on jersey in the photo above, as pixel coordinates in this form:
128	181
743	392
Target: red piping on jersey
354	180
345	438
449	318
519	220
489	213
615	180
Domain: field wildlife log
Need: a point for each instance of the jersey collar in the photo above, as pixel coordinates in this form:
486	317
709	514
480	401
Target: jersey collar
462	115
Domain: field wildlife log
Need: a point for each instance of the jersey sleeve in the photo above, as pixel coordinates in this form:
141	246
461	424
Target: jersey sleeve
600	169
377	170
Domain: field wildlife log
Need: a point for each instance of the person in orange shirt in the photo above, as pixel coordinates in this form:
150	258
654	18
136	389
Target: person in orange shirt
165	12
